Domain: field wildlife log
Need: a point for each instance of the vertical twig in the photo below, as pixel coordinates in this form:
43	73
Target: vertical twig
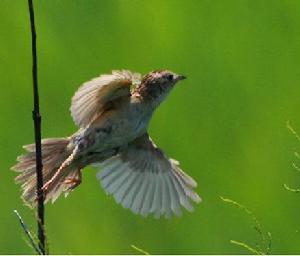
37	132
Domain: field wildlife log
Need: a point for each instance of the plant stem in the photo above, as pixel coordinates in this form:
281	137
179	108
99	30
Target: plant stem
37	132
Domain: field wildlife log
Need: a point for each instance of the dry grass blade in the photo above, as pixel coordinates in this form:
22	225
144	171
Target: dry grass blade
246	247
32	242
139	250
266	238
293	131
295	190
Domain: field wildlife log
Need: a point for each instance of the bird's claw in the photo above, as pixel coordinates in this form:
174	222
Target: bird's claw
44	192
45	188
72	182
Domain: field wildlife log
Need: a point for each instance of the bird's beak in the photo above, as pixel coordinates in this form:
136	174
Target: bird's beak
180	77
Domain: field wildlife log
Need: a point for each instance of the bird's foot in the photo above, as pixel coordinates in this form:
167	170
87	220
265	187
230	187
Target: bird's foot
45	188
72	182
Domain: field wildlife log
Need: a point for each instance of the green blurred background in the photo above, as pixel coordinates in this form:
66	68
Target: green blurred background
226	123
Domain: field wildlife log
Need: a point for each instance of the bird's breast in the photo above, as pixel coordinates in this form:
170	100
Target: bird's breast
116	129
130	124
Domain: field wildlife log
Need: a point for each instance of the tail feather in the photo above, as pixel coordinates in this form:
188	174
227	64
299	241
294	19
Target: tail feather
54	152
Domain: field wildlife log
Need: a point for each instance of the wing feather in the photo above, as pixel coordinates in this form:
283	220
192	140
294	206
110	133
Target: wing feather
144	180
126	199
129	198
92	97
148	197
175	201
119	195
138	202
156	203
114	186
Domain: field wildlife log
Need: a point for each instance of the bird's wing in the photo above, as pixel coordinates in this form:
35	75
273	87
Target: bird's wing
145	180
92	97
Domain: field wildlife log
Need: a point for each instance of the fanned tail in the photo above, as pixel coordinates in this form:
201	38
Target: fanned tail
54	153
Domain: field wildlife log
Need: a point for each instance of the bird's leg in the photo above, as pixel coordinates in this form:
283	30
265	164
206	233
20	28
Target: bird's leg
63	166
74	181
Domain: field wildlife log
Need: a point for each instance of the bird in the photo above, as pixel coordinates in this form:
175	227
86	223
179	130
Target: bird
113	112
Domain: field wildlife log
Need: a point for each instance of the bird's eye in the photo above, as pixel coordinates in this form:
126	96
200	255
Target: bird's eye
170	77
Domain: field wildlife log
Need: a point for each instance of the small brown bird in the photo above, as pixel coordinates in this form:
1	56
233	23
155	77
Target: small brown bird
113	112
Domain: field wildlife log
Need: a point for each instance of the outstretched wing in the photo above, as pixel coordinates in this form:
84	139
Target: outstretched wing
145	180
92	97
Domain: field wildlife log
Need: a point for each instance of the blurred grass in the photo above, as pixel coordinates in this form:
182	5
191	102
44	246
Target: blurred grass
263	245
225	124
141	251
296	154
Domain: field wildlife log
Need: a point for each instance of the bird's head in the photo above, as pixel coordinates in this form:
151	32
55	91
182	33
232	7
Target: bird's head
156	85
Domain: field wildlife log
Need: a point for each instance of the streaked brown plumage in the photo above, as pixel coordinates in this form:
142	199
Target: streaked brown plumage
113	120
